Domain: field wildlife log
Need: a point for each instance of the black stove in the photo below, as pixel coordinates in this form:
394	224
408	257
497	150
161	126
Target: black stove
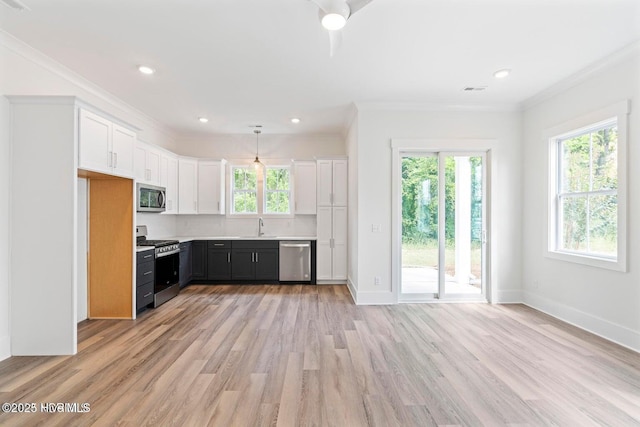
167	264
157	243
163	247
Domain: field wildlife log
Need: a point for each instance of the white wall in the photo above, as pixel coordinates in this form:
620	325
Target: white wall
24	71
243	147
5	173
603	301
43	208
352	213
376	128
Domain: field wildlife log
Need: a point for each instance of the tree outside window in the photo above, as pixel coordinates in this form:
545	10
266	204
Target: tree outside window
587	193
245	190
277	190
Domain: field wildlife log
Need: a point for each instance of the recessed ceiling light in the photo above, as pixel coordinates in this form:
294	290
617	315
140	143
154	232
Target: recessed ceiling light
203	119
295	120
501	74
144	69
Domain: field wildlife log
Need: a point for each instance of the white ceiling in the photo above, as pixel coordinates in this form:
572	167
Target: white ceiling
244	62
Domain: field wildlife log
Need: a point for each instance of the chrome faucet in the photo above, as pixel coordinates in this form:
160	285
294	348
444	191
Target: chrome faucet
260	225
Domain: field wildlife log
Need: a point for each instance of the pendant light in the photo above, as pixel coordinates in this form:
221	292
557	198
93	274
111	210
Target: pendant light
256	163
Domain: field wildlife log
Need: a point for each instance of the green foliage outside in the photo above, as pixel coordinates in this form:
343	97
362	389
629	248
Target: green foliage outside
245	194
245	190
420	199
588	163
277	190
420	213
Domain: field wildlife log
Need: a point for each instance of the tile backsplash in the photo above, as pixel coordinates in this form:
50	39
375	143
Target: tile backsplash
160	225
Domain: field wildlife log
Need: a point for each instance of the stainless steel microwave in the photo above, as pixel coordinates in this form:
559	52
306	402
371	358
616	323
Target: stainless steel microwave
151	198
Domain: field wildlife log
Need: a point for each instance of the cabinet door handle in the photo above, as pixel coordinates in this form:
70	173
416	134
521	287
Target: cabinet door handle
147	256
253	256
109	158
218	207
228	257
146	273
218	244
257	257
115	160
147	295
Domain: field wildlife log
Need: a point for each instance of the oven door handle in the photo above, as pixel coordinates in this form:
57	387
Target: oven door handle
164	254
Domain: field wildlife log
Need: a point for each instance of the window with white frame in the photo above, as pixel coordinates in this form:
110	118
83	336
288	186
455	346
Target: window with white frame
244	190
587	220
262	191
277	190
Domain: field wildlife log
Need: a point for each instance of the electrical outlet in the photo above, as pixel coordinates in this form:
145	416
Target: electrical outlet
376	280
375	228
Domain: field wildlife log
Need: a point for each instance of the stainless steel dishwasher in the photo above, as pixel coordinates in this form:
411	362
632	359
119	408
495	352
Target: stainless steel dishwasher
295	261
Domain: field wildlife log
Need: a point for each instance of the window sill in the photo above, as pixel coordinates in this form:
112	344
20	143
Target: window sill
261	215
592	261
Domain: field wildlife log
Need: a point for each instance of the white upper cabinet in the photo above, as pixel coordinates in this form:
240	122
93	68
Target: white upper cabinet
211	182
332	182
123	145
304	188
187	186
105	146
339	184
147	163
169	180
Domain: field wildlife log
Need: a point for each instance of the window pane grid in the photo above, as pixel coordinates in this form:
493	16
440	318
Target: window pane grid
586	194
245	191
277	190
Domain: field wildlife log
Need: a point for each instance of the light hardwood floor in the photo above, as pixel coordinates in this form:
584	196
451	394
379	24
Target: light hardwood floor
306	355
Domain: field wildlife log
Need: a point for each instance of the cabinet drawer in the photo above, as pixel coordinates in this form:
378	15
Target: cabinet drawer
145	273
219	244
145	256
256	244
144	295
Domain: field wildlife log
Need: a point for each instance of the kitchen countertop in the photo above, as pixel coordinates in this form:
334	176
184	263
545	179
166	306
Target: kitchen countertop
182	239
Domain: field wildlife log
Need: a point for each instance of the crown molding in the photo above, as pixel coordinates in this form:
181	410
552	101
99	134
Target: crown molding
436	107
575	79
38	58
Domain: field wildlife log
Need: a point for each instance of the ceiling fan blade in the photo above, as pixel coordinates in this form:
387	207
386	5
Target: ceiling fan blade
356	5
335	41
323	5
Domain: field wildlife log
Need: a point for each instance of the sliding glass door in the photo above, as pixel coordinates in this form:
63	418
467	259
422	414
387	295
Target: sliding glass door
443	226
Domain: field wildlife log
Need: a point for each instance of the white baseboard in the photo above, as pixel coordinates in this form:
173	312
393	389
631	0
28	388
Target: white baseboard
330	282
508	297
352	290
606	329
370	298
5	347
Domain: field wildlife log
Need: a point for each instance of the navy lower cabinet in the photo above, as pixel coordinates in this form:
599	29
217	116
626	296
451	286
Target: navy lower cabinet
186	264
254	260
219	260
145	271
199	260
